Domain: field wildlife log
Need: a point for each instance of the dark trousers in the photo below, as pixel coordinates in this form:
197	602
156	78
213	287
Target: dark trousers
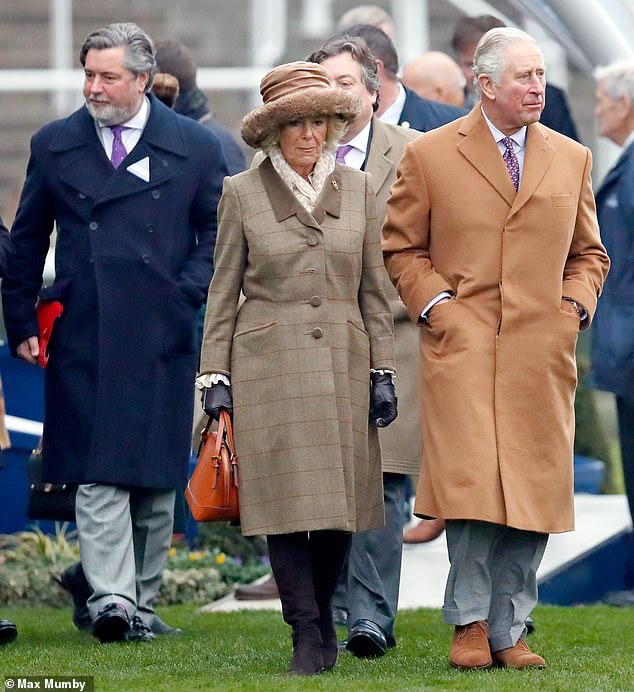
369	585
625	413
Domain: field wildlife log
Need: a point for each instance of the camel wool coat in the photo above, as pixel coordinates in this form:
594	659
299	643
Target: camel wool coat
299	349
498	361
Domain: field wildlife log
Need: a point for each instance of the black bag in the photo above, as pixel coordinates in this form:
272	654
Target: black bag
48	500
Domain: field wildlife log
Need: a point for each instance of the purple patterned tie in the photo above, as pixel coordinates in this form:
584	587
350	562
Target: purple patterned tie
512	164
342	152
118	149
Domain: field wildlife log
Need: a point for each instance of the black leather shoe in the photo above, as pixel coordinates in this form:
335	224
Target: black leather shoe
138	631
530	625
73	580
366	640
8	631
111	624
160	628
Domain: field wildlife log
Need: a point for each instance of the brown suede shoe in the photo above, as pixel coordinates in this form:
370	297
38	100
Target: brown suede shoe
518	656
258	591
470	648
425	531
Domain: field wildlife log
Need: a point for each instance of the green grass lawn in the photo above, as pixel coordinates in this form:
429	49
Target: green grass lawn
586	648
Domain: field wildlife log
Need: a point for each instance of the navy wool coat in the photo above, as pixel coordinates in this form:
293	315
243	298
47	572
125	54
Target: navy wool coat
133	263
613	328
424	115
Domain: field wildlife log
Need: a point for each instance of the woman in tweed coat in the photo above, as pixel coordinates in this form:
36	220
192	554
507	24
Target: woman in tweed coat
298	235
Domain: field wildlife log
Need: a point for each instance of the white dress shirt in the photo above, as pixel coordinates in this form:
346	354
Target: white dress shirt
392	115
359	143
131	135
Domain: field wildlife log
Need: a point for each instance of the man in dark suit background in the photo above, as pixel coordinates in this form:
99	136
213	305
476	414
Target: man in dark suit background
613	330
132	189
398	105
176	59
467	32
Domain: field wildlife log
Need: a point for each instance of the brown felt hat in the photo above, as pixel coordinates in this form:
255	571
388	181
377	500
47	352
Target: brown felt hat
293	91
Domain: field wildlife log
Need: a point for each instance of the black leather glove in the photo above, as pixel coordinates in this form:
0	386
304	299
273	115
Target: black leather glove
216	398
382	399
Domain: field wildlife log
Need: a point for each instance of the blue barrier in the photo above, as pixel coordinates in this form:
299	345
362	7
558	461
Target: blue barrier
23	387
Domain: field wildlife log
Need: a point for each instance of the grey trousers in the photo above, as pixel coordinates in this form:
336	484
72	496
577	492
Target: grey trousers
369	585
124	537
493	577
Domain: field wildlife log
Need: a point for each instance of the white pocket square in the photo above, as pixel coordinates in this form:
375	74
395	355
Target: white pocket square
141	169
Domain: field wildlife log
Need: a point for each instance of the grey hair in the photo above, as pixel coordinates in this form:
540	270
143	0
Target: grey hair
358	49
337	127
617	79
139	49
490	53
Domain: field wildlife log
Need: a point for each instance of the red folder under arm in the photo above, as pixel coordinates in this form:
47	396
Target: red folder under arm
47	313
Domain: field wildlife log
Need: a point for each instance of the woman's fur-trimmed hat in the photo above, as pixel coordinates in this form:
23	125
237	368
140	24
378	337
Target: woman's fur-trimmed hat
293	91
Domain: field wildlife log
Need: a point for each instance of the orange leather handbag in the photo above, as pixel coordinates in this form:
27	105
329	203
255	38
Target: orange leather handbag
212	491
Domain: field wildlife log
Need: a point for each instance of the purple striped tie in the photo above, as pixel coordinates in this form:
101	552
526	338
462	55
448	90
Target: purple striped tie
342	152
118	148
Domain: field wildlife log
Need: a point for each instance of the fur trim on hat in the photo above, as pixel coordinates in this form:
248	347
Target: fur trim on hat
303	103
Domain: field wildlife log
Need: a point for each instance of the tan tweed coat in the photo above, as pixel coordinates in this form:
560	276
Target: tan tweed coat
498	362
299	350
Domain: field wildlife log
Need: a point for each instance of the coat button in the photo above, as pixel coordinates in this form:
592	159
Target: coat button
156	194
93	225
81	195
317	332
315	301
146	259
313	240
150	228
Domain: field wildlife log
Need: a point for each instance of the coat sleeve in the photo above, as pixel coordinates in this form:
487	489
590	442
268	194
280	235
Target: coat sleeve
30	237
6	249
224	291
195	274
406	237
587	263
373	300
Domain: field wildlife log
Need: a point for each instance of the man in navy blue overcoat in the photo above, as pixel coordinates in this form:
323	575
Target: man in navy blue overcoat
132	189
613	328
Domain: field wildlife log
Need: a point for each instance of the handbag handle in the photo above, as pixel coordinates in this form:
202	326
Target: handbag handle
225	430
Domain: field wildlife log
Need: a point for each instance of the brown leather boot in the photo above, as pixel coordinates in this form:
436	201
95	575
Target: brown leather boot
257	591
470	647
518	656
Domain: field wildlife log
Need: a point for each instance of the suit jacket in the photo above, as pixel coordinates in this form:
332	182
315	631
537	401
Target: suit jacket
400	442
613	329
423	114
299	349
556	113
498	362
133	262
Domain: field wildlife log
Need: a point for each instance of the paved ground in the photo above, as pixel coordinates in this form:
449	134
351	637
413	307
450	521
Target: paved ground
425	566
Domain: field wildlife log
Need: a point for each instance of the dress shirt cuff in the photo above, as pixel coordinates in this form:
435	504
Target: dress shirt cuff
432	302
211	378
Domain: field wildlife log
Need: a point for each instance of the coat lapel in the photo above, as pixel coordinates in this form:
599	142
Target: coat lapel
379	163
84	166
538	157
480	149
285	204
615	172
